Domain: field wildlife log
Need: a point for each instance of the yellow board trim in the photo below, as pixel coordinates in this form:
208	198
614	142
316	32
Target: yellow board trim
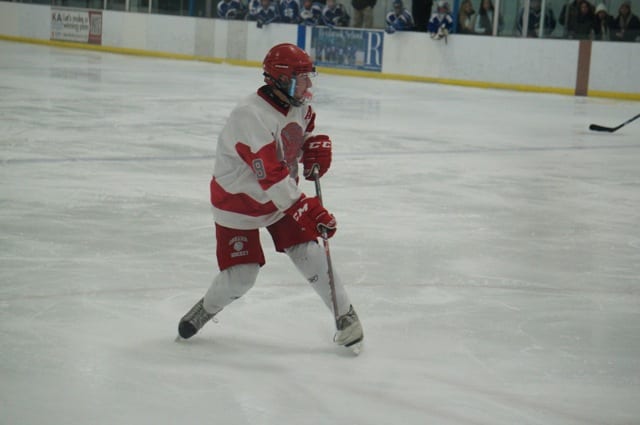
613	95
334	71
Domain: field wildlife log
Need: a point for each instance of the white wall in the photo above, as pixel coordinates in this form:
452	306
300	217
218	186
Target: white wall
156	33
21	20
532	63
547	63
614	65
261	40
125	28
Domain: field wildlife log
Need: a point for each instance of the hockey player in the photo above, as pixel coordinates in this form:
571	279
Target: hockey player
441	22
399	19
255	185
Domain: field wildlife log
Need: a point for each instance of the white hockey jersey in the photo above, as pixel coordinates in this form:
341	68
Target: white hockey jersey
256	168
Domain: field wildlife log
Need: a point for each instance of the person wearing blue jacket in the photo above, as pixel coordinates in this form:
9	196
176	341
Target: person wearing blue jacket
231	9
266	14
311	13
441	22
289	11
399	19
335	15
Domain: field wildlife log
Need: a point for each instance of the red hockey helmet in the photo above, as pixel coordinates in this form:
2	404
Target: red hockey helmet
283	64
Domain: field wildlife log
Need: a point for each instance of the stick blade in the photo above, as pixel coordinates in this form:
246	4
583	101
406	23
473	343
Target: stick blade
596	127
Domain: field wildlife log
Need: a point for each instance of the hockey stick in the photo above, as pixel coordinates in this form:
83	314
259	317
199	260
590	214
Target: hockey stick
596	127
325	241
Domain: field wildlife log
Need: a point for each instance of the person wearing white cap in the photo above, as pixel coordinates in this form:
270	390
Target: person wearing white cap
603	24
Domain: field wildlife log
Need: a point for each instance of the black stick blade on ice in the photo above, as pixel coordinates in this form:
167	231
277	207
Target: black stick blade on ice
596	127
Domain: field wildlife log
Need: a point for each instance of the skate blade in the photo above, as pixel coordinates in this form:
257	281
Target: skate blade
356	348
179	339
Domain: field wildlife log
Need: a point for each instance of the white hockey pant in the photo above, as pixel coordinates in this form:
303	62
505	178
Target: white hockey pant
229	285
309	258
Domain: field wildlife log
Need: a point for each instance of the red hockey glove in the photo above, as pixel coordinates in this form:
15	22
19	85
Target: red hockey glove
312	216
316	150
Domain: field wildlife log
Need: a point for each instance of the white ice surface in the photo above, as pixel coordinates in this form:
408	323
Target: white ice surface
490	243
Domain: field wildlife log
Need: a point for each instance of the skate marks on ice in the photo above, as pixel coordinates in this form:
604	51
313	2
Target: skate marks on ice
494	266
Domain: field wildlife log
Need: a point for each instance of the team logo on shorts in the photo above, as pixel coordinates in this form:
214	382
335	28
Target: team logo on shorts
238	245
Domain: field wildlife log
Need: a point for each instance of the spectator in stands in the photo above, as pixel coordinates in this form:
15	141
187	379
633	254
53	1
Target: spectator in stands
535	18
231	9
310	13
626	26
421	12
585	22
289	11
603	23
363	13
466	15
399	19
335	15
569	17
485	18
267	13
253	7
441	22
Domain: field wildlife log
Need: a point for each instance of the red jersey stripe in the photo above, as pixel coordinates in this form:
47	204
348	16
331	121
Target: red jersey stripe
240	203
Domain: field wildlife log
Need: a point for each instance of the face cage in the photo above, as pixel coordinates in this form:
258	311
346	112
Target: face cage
293	83
289	90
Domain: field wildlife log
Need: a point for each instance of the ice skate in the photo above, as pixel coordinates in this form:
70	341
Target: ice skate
194	320
349	332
